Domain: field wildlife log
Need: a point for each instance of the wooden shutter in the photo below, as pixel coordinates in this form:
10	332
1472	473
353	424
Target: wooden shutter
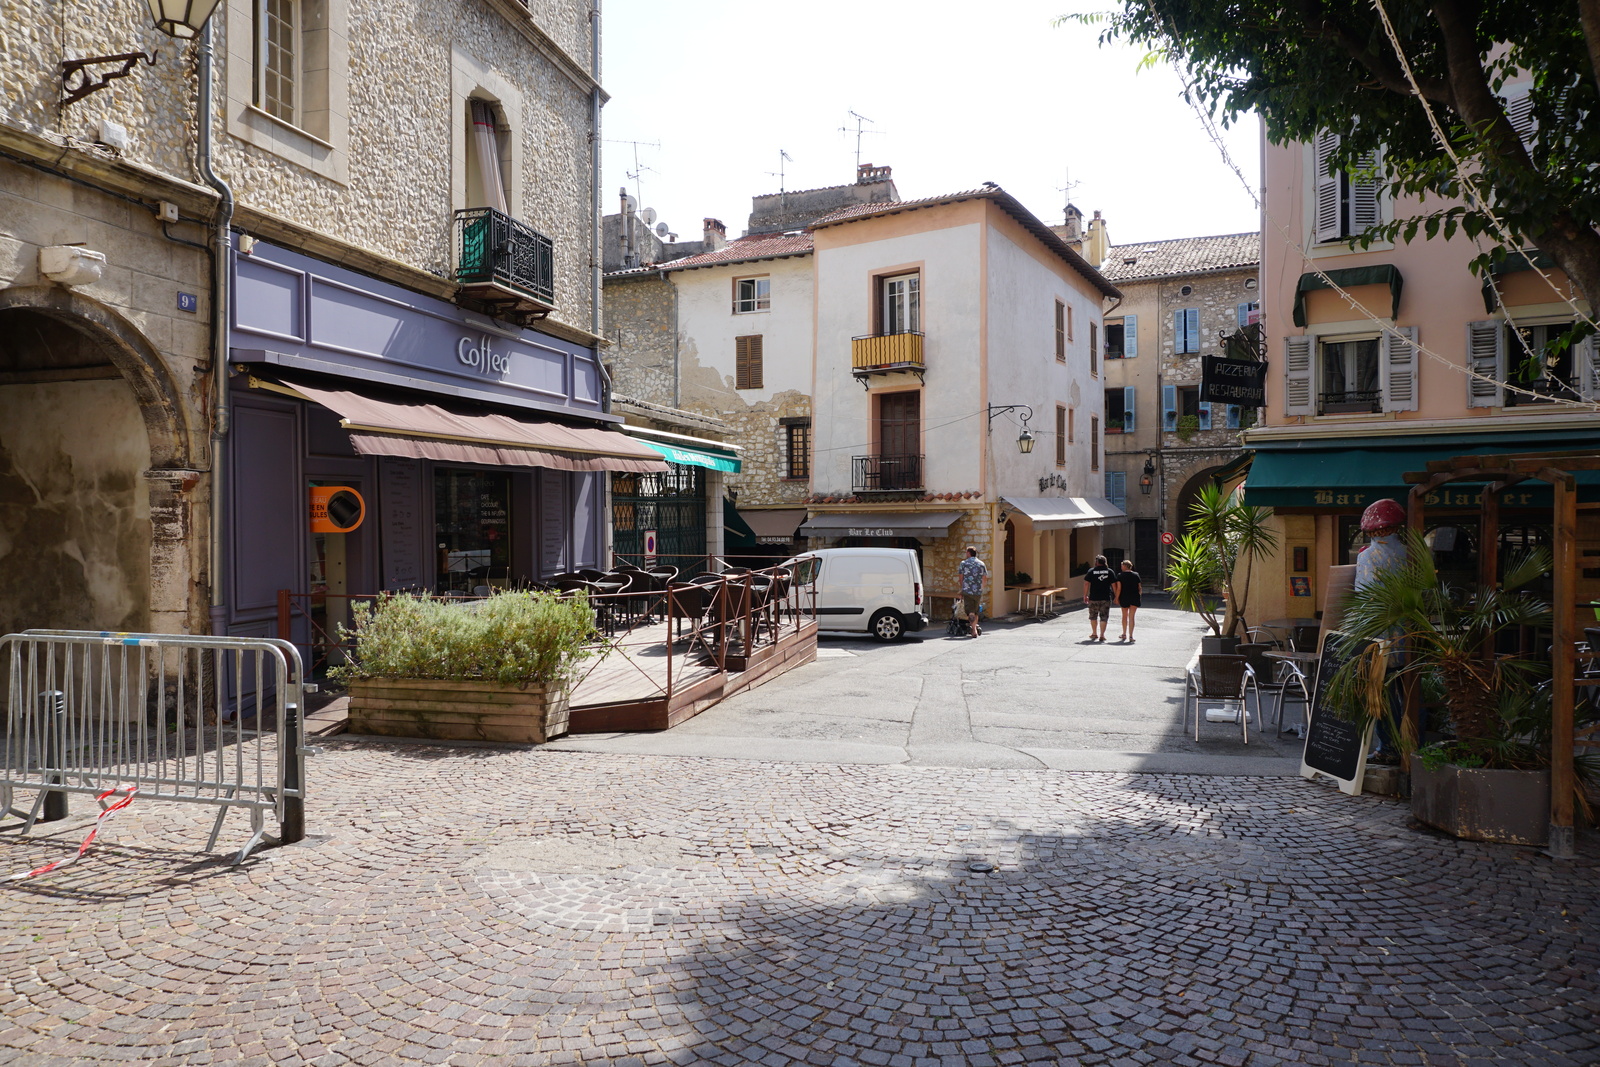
1397	369
1297	375
1586	367
1365	212
1094	442
1061	436
1325	211
747	362
1061	331
1169	407
1129	423
1130	336
1486	356
1094	348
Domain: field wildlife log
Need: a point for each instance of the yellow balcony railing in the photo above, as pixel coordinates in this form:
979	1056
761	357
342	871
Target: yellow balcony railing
893	351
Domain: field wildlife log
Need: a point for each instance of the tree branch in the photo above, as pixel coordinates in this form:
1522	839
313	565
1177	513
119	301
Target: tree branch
1385	68
1589	18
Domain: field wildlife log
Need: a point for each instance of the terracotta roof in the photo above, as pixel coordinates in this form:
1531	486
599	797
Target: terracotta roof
1004	200
1184	255
757	246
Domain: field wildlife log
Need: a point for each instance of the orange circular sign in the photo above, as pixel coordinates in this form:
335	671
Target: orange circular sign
336	509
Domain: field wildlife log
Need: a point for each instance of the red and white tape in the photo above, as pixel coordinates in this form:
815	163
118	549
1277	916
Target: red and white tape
94	831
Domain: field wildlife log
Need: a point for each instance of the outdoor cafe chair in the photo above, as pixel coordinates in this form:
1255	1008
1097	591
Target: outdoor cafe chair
1304	638
1280	678
1220	680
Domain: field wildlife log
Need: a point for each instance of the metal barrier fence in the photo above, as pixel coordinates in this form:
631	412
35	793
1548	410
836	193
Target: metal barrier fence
187	719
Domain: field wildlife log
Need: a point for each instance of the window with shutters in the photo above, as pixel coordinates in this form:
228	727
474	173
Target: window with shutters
1094	442
1117	489
1186	331
751	294
1120	409
747	362
1061	436
1113	348
1356	374
1069	323
1061	332
1347	376
1346	203
797	431
1537	357
1094	350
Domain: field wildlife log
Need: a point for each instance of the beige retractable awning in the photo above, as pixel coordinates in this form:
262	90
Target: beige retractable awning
427	431
1066	512
774	525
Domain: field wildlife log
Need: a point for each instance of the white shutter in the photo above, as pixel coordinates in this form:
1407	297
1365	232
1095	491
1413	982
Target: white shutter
1297	375
1486	356
1129	407
1326	186
1130	336
1398	369
1586	367
1364	211
1519	109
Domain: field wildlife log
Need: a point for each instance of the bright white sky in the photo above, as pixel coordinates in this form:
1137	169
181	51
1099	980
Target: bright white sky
960	93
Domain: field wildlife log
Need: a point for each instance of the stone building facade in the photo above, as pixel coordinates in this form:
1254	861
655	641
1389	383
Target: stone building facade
348	153
1180	299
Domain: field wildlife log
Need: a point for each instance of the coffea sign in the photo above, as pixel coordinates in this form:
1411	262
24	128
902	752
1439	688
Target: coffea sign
1233	381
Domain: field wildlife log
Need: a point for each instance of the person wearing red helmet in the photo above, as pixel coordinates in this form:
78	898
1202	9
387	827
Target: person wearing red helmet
1381	522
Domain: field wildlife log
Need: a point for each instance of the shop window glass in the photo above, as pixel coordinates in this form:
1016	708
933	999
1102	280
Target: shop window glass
472	520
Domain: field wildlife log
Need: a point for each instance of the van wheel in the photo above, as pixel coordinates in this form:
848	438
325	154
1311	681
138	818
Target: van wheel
886	625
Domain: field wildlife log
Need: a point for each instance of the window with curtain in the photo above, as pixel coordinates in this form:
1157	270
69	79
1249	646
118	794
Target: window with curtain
486	157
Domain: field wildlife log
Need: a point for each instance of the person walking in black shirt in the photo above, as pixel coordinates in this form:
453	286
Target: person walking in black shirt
1098	581
1128	590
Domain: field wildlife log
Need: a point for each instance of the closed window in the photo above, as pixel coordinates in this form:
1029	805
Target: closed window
747	362
1117	488
1186	331
797	433
1346	201
278	58
1061	332
901	304
1061	436
751	294
1094	349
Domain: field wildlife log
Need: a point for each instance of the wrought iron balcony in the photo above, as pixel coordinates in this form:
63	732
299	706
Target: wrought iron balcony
1351	401
885	474
882	353
504	265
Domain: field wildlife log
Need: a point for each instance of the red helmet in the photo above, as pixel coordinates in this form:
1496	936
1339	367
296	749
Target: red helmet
1382	515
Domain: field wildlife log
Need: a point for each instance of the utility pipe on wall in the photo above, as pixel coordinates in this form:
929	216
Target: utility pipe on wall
595	234
220	265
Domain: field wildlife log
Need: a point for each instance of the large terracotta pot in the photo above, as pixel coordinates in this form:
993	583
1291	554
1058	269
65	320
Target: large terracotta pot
1506	807
458	711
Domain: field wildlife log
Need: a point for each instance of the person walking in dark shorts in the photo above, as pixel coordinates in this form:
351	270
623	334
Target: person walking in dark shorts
1098	582
1128	590
974	577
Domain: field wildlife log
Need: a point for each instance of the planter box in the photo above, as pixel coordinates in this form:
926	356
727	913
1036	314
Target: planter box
457	711
1219	646
1506	807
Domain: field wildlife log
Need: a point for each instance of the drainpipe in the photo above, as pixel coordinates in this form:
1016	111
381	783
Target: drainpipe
219	330
595	235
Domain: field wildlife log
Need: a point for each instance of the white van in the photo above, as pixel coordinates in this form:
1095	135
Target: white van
868	590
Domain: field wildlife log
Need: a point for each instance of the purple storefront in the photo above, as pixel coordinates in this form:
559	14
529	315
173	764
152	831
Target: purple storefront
476	451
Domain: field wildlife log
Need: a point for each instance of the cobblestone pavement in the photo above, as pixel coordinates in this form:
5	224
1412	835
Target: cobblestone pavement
497	906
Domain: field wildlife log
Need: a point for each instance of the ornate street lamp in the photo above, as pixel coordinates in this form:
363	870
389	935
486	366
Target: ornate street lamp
183	19
1025	438
1147	476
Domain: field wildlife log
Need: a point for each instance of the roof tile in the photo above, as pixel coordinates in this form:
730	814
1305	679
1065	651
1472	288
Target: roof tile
1183	255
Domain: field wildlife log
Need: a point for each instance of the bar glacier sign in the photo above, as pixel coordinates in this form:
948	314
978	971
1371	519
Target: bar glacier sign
1233	381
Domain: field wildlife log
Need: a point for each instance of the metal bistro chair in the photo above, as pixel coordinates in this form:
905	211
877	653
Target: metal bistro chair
1282	678
1304	638
1218	680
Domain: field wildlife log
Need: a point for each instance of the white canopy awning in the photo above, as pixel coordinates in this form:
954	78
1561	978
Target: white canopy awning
1066	512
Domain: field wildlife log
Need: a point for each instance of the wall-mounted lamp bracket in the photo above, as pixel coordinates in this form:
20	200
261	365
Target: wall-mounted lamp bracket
77	82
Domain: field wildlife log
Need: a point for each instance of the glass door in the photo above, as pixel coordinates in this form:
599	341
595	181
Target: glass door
472	524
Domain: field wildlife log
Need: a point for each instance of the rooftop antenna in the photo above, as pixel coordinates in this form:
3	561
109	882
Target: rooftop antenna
638	168
858	132
783	157
1066	176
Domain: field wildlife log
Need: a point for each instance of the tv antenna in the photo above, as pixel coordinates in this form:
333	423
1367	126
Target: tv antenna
783	157
859	131
638	168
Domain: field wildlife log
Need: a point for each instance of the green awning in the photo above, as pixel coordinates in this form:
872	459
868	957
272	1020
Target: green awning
736	532
1353	472
1512	264
1348	278
693	457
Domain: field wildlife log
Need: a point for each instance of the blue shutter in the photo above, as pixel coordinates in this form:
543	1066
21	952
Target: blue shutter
1205	414
1169	407
1117	489
1192	328
1233	416
1129	423
1244	314
1180	335
1130	336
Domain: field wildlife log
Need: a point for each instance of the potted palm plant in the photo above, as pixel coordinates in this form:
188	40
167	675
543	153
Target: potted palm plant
498	669
1489	779
1204	569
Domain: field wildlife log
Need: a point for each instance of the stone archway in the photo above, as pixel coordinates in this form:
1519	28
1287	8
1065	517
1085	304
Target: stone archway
98	459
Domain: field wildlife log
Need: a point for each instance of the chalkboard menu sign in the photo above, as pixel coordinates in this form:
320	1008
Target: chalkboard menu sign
1335	747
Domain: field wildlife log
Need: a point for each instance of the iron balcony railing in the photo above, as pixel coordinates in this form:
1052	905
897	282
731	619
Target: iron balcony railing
492	248
889	351
885	474
1351	401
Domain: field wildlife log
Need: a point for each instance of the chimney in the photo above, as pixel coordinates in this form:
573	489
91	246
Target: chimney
1099	242
1072	229
716	235
866	174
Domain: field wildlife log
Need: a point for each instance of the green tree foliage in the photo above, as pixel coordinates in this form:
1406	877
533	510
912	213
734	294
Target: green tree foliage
1223	534
1311	65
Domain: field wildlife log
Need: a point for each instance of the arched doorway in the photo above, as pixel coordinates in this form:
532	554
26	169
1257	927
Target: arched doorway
94	470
